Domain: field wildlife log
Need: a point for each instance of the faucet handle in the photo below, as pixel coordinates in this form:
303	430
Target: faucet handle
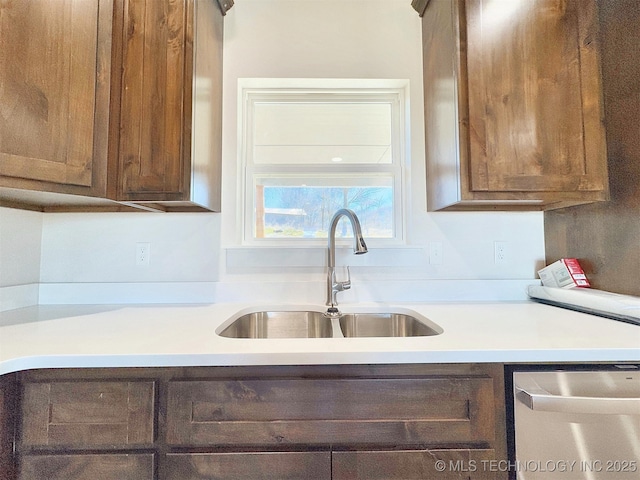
346	285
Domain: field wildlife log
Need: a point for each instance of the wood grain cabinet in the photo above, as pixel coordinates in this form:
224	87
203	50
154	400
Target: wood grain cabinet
387	411
55	78
87	467
167	111
87	414
440	464
376	422
8	417
241	423
513	104
87	429
111	104
248	466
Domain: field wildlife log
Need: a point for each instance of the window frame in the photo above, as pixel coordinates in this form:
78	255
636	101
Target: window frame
394	92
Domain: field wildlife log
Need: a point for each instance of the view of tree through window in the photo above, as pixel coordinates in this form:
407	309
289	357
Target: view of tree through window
306	211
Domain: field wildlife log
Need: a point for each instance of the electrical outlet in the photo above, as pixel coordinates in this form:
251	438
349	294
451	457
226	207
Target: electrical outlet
435	253
500	253
143	254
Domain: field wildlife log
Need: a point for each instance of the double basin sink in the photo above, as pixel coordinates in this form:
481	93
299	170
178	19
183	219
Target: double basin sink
314	324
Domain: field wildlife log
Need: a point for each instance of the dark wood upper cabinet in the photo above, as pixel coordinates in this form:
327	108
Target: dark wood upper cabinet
513	104
111	104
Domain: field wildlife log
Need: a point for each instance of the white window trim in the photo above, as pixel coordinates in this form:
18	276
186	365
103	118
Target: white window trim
252	89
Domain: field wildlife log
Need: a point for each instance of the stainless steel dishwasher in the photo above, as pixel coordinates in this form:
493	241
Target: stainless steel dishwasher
577	424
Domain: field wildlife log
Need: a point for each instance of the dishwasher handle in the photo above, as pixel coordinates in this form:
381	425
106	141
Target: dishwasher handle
540	400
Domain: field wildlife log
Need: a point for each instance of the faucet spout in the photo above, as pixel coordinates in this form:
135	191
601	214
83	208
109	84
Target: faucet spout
359	247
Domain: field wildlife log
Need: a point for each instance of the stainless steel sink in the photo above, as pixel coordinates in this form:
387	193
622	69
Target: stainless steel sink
313	324
279	325
384	325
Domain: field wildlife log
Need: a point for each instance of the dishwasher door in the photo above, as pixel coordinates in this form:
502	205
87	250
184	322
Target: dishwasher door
577	424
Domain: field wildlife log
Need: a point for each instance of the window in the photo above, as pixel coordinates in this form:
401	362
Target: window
311	147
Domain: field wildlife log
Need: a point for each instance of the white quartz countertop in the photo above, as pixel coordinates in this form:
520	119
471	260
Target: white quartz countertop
66	336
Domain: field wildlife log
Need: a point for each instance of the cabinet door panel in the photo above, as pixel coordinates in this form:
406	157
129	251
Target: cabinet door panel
513	104
417	465
85	467
54	72
318	411
87	414
534	97
156	98
249	466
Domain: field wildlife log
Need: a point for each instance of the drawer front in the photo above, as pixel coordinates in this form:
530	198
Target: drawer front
332	411
87	414
84	467
418	465
249	466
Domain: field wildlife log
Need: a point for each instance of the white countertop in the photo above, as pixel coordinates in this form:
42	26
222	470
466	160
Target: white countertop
63	336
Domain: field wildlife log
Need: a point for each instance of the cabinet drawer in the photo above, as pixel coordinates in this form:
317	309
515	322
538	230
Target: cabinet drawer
249	466
385	411
83	467
417	465
87	414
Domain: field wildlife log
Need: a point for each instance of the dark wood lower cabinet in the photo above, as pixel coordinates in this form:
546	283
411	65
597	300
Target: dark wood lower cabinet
437	464
248	466
392	411
87	467
8	417
87	414
241	423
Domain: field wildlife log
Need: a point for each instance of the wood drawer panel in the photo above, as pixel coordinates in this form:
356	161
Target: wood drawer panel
84	467
87	414
417	465
430	410
248	466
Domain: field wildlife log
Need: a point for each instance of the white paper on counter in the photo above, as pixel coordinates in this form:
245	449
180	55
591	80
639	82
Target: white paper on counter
590	300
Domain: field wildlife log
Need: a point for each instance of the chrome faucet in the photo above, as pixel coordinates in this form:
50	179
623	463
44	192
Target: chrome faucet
359	247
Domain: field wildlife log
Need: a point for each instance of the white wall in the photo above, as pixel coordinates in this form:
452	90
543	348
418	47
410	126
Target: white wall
360	39
89	248
275	38
20	256
20	240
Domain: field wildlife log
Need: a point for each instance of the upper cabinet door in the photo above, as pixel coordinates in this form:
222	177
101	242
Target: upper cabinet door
513	104
54	94
155	112
534	95
171	57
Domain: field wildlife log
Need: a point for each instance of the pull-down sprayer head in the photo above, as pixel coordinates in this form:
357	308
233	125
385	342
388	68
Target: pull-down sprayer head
359	247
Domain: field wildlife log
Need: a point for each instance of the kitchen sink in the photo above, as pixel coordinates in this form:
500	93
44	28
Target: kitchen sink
384	325
294	324
313	324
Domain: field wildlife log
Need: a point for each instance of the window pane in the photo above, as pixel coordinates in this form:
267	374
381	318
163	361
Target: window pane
313	146
321	133
304	211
